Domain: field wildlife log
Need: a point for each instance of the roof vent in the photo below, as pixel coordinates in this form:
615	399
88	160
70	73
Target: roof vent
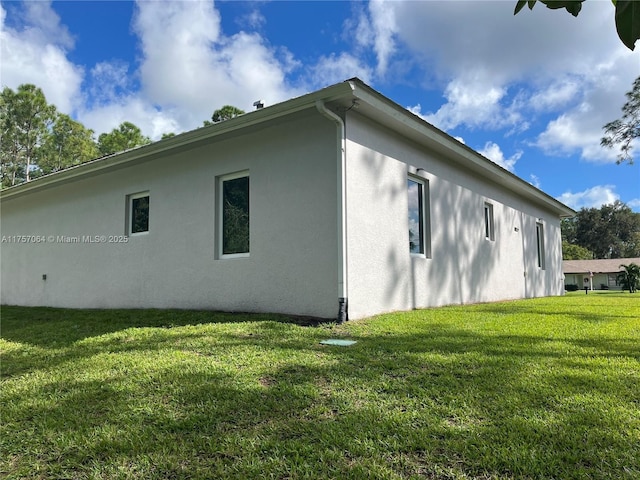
258	104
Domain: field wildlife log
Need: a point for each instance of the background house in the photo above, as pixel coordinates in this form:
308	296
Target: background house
595	274
336	201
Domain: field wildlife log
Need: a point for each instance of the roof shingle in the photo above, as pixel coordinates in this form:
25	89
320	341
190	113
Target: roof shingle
609	265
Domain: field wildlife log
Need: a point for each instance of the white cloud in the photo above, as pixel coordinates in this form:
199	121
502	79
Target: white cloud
473	100
359	28
493	152
36	54
634	204
519	69
534	45
152	121
590	198
255	19
187	68
190	65
376	28
384	26
534	180
576	132
579	128
416	110
337	68
556	94
41	24
109	80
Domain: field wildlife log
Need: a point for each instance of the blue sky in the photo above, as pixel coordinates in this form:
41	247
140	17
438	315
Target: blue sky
530	92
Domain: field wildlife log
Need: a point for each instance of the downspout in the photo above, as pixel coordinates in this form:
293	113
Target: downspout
341	155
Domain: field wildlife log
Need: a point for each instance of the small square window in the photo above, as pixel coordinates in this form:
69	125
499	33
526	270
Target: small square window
138	213
489	232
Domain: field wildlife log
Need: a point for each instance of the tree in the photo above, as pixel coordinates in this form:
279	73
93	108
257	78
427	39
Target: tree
11	169
625	130
126	136
25	117
632	246
608	231
571	251
226	113
568	228
630	278
627	16
589	231
69	143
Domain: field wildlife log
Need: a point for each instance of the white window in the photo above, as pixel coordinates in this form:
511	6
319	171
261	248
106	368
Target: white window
138	213
489	233
233	215
540	244
418	216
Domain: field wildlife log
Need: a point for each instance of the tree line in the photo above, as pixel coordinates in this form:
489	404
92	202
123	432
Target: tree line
611	231
36	139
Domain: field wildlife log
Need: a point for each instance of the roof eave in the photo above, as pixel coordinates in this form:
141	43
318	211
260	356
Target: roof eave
375	103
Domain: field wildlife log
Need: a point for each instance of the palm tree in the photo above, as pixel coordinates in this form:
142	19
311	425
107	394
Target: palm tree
630	278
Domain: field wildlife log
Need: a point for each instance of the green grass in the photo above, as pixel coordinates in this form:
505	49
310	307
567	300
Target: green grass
544	389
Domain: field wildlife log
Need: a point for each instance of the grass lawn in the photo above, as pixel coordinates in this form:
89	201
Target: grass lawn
545	389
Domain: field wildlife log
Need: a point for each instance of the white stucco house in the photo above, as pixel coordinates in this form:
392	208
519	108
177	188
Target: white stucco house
333	204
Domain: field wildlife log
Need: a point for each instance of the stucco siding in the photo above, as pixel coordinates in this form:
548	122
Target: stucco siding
304	254
464	267
292	267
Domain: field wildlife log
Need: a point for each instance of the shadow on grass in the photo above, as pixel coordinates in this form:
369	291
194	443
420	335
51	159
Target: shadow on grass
45	326
267	400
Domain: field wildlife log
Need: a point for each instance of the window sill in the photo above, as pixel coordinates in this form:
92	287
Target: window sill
231	256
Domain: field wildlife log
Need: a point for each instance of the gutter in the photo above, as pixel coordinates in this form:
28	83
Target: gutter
341	156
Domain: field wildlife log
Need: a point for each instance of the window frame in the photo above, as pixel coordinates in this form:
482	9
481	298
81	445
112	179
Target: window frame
540	245
489	222
424	226
220	214
130	215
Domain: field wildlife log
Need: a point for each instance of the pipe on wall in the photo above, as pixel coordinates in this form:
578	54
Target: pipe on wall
341	154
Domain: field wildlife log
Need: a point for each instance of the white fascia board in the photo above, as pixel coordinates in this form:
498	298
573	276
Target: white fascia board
182	141
392	115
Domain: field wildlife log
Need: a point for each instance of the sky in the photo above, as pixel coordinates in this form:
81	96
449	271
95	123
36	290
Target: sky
530	92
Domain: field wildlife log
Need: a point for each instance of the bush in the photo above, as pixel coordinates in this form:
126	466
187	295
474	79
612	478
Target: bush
571	288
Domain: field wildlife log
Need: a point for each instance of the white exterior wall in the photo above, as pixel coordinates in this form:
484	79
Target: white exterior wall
464	266
292	267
